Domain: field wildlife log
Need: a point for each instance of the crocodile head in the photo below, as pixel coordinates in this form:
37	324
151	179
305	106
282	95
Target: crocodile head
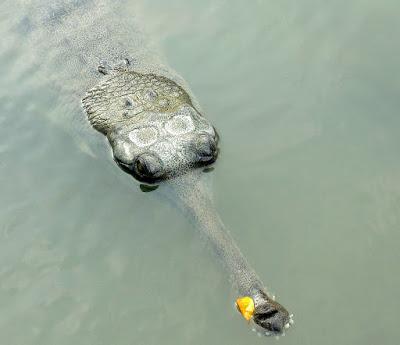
151	124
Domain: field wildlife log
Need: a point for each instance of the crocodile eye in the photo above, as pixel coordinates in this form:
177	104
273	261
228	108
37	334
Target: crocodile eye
148	168
141	167
206	148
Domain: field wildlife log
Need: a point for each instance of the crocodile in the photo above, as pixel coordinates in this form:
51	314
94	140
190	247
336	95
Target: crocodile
97	61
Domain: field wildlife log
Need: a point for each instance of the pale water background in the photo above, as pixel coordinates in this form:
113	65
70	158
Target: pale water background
305	95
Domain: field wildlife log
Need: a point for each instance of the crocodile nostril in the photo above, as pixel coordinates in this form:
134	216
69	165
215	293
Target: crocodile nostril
267	315
206	148
273	319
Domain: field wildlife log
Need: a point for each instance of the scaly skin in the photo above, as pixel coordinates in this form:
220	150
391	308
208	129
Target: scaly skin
152	126
144	108
156	133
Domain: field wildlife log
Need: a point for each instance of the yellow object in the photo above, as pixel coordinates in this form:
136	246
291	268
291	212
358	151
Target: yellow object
246	307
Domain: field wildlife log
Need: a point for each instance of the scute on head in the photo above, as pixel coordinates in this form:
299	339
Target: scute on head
152	126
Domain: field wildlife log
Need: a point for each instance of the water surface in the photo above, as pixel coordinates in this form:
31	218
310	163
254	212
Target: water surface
305	98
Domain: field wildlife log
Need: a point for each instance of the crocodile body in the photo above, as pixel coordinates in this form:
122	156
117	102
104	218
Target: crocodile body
90	53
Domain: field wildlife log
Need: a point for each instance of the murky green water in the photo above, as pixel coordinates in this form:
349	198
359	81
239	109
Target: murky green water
306	99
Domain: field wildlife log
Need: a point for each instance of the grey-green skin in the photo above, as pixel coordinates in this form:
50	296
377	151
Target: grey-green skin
151	124
145	109
157	134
